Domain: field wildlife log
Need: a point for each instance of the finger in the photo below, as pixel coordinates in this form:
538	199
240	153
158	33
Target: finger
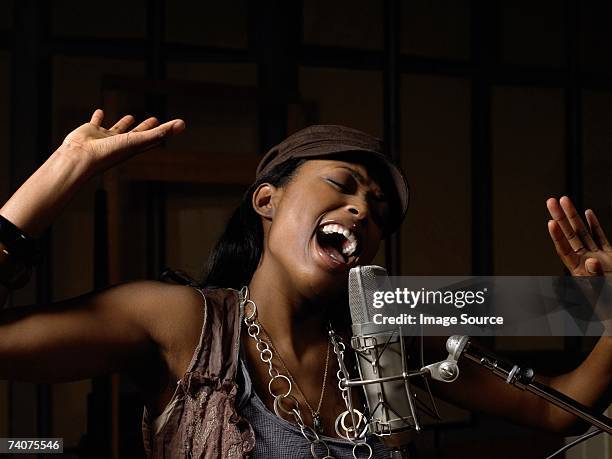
565	251
97	117
577	224
122	125
147	124
593	267
559	216
597	230
143	140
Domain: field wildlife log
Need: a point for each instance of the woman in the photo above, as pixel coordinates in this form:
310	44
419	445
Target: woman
316	209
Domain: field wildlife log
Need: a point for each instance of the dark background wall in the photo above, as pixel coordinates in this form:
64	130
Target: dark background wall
492	107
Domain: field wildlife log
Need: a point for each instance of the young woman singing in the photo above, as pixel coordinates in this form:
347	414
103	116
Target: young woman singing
241	364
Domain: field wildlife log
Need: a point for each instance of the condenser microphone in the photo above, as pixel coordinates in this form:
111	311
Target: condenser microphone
382	362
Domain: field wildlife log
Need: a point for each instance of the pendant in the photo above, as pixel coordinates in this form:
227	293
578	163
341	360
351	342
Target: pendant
317	423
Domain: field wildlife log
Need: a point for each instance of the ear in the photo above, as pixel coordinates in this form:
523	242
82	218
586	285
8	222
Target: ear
264	200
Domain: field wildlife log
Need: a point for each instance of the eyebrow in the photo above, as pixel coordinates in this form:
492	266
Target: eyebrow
361	179
356	175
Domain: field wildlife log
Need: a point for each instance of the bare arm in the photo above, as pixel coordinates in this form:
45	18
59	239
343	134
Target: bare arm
86	151
590	384
99	332
477	389
585	252
119	329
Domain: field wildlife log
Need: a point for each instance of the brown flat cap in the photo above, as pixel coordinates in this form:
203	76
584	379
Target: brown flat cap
320	141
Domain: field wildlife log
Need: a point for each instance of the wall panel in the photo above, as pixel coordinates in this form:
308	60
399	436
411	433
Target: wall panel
597	155
436	28
436	159
6	14
5	94
77	92
216	125
528	167
531	33
111	19
344	23
207	23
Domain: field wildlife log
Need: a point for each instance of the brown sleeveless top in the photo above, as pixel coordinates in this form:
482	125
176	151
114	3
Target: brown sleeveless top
201	420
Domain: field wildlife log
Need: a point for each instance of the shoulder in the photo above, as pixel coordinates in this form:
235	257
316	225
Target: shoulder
171	316
170	313
174	315
167	314
147	301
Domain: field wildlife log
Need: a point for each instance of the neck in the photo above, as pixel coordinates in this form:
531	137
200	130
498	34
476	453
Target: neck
295	323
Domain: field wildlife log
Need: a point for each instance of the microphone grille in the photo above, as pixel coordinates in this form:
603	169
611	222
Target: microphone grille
363	281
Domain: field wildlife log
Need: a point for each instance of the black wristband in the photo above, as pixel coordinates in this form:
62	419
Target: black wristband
14	273
19	243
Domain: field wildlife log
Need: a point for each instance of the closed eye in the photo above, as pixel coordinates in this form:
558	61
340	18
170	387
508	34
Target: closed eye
342	187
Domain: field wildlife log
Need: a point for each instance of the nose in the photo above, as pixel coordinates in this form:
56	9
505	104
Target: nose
359	208
364	211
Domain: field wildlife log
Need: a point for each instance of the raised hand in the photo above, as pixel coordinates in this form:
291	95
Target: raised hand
86	151
102	148
585	252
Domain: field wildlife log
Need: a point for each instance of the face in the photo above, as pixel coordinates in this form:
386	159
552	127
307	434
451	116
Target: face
327	219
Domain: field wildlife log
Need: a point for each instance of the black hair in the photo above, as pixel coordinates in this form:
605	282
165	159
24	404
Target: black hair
236	254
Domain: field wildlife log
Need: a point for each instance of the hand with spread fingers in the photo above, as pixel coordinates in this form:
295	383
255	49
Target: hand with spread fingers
86	151
584	251
102	148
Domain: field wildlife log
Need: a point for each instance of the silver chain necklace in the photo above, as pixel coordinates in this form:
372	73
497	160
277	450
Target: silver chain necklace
286	403
317	422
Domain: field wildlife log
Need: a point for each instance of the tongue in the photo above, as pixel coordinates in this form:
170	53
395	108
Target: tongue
332	252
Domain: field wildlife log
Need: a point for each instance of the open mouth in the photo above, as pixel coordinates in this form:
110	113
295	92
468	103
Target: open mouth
338	242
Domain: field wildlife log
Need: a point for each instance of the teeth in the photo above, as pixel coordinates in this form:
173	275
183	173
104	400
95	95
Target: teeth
348	249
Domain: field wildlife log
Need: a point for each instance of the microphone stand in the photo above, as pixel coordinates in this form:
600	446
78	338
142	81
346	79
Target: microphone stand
522	378
367	347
